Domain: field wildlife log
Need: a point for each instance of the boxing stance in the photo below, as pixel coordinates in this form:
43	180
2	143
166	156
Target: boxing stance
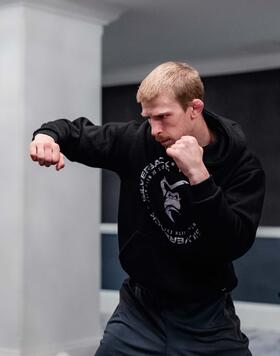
190	202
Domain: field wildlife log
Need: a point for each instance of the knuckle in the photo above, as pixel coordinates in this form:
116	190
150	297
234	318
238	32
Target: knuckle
48	161
47	145
189	139
192	139
33	157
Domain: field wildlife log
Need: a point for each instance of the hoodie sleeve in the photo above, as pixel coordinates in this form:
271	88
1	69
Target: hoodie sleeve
82	141
228	217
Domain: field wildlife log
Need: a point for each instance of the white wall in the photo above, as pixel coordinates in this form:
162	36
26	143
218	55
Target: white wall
50	67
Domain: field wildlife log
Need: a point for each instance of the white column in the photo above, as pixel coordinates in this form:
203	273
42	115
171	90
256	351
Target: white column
50	67
11	177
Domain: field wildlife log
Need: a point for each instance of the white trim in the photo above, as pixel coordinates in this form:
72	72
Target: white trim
252	315
109	228
10	352
272	232
109	300
269	232
258	315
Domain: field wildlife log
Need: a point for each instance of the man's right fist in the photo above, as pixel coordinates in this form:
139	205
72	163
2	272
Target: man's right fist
46	152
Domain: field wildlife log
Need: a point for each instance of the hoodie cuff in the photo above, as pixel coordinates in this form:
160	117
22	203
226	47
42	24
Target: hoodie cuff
204	190
46	132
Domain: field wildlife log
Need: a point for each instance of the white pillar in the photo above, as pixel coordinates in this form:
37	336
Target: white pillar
11	178
50	67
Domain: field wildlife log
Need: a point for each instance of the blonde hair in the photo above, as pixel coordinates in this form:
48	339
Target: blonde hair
177	79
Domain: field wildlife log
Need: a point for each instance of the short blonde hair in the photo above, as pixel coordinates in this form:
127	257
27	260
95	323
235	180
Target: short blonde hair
172	78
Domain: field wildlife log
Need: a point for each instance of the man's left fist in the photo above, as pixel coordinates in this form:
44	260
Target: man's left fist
188	155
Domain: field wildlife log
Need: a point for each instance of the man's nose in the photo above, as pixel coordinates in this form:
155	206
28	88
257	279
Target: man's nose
156	128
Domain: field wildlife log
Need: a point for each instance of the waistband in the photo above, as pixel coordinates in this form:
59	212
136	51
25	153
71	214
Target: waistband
163	299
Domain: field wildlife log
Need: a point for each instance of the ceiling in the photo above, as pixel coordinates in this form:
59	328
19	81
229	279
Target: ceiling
216	36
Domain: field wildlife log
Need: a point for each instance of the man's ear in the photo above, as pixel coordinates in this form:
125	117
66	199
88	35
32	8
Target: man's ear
197	107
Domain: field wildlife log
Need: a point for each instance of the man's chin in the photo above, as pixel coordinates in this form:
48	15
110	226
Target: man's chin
166	144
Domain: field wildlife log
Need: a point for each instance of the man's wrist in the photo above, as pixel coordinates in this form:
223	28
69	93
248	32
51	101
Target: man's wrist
198	176
47	132
44	136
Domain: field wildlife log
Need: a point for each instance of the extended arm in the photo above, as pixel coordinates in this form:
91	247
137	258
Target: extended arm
46	152
81	141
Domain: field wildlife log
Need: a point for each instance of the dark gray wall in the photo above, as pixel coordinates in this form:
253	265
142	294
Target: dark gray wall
252	99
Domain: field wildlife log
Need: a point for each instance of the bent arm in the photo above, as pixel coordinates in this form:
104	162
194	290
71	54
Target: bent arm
229	217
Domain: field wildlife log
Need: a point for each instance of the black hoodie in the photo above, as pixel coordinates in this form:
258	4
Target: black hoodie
175	238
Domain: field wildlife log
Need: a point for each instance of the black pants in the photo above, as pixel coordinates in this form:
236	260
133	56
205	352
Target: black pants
143	324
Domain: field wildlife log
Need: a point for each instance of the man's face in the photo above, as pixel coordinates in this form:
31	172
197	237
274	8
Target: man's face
169	122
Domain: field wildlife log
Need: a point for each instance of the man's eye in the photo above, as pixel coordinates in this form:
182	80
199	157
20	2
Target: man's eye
163	116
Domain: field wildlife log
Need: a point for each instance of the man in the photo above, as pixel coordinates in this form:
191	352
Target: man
190	203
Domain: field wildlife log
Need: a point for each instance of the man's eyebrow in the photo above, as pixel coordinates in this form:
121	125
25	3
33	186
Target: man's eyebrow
162	113
157	115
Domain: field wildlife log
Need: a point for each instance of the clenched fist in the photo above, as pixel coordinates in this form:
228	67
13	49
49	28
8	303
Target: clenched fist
46	152
187	155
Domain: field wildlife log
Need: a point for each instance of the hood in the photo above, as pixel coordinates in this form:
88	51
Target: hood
230	140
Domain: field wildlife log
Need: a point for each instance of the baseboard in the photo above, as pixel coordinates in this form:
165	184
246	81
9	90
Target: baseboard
270	232
84	347
252	315
10	352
